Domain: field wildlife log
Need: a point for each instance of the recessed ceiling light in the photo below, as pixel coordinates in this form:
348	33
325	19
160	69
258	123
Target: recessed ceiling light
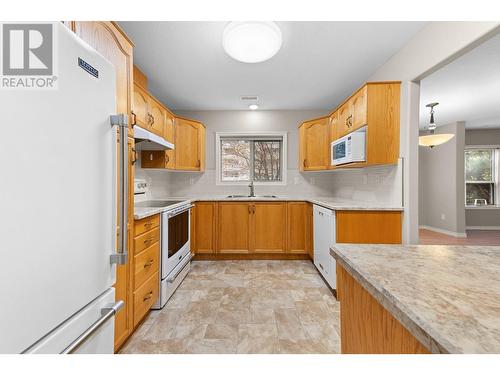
251	42
253	107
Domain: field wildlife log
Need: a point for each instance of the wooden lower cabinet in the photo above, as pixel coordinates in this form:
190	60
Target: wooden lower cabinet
298	227
204	232
382	227
268	227
366	327
146	267
252	228
233	230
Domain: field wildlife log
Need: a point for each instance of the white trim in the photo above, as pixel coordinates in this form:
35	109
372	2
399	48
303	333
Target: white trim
443	231
284	156
481	227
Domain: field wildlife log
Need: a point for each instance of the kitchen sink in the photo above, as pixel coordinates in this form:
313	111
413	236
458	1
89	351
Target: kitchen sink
248	196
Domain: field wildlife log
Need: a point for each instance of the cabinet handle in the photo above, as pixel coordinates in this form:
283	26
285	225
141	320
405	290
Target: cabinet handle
348	121
152	119
134	156
305	163
198	164
249	209
148	224
148	241
148	297
134	118
149	264
167	159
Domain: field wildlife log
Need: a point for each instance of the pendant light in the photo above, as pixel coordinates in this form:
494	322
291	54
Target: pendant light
432	139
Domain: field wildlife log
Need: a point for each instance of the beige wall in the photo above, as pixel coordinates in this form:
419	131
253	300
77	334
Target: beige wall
441	182
434	46
482	217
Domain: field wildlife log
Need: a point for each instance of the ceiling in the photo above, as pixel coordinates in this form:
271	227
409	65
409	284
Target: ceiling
319	64
468	89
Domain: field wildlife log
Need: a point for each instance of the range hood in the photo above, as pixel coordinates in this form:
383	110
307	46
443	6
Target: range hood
145	140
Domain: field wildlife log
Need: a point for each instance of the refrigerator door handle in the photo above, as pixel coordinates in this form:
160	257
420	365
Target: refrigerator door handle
106	314
121	255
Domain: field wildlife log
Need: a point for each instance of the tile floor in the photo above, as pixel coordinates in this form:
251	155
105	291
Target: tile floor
244	307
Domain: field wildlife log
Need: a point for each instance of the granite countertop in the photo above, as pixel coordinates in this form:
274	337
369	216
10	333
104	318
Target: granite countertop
332	203
448	297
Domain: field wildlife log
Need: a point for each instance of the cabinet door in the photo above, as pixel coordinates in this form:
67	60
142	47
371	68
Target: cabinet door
187	151
379	227
201	145
310	231
157	118
109	40
140	107
268	222
297	227
333	123
316	142
169	136
154	159
233	227
205	227
344	122
359	106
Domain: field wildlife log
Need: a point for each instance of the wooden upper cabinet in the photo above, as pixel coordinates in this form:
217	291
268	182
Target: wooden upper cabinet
358	108
268	227
376	105
170	137
140	108
314	150
110	41
344	122
157	117
189	137
204	227
233	229
333	124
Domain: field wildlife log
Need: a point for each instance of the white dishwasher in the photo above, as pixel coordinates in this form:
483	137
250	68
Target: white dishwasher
324	237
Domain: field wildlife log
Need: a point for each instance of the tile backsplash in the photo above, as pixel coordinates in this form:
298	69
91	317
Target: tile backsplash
376	184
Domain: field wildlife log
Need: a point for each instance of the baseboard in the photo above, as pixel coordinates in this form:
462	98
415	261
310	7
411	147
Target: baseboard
443	231
271	256
490	227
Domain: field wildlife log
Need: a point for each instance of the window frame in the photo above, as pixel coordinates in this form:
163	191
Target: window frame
495	175
251	136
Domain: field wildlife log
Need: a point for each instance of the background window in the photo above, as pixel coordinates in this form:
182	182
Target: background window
256	158
481	171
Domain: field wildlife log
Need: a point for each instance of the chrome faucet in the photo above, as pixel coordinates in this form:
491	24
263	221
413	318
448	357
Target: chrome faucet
252	190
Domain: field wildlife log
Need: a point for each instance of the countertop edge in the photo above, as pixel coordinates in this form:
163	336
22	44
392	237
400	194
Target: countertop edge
157	210
412	323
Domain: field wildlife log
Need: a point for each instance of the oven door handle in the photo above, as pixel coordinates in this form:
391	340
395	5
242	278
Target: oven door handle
172	279
175	213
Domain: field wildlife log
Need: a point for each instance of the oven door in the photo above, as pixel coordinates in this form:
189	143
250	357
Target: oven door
174	239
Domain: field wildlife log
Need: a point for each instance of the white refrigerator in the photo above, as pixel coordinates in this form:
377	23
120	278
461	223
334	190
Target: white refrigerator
58	200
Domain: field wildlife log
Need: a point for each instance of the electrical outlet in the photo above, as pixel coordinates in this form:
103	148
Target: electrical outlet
312	180
296	180
443	217
365	180
191	181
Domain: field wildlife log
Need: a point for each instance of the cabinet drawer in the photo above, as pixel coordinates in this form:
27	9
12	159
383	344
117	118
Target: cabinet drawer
146	240
148	223
146	264
145	297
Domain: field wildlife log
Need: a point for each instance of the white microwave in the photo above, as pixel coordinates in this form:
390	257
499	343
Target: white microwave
350	148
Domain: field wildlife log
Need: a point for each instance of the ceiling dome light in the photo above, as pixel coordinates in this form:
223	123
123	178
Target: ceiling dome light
432	139
253	107
251	42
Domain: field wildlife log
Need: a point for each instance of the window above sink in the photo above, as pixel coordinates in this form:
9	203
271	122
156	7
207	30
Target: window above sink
243	157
